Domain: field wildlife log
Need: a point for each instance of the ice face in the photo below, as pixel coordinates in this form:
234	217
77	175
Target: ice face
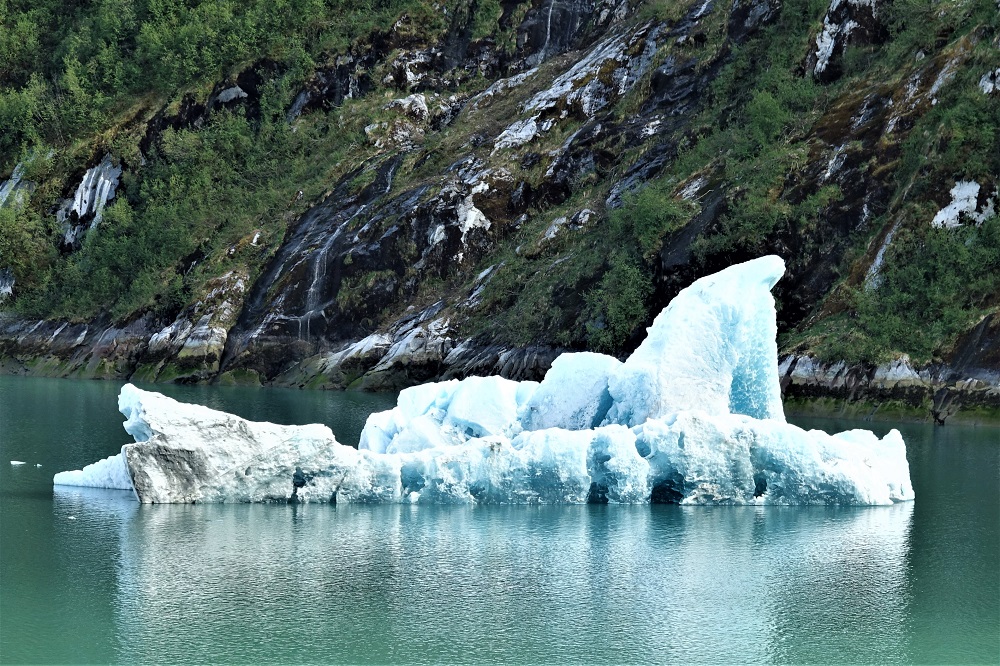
108	473
693	416
712	349
574	394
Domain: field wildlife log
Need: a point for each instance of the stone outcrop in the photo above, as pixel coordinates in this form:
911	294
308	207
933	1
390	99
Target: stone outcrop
477	152
84	211
847	23
965	389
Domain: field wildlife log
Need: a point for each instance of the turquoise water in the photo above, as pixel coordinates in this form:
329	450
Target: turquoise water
91	576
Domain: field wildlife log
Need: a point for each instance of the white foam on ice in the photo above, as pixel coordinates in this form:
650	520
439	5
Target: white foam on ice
693	416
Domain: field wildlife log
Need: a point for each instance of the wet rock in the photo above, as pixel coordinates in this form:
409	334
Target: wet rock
346	78
84	211
6	284
63	349
936	391
674	86
552	28
846	23
191	347
606	73
419	347
749	16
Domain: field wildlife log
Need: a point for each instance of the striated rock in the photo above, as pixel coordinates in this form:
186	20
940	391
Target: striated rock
552	28
846	23
935	392
418	351
600	78
191	347
6	284
503	85
83	212
748	16
64	349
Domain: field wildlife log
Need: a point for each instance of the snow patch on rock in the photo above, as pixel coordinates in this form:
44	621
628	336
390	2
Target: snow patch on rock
964	205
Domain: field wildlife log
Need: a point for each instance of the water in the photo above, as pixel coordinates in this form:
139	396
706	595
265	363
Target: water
91	576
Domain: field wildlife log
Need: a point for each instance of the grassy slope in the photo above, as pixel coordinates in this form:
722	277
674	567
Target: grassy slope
189	213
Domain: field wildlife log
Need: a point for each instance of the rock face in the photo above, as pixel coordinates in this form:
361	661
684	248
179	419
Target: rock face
13	185
84	211
898	388
478	157
847	23
6	284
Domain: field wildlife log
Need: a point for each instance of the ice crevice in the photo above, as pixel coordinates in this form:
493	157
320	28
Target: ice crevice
693	416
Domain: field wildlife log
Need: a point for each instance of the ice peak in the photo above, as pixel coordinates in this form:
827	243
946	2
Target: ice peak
713	348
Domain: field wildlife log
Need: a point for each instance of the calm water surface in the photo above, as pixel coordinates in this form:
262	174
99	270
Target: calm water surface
91	576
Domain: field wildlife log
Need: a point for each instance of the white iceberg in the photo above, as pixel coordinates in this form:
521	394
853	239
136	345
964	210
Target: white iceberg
693	416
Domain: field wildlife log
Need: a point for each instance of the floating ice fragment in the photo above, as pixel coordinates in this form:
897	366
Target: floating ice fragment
693	416
108	473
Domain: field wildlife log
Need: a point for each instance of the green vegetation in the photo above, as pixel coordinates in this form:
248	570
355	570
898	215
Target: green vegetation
77	82
84	80
756	129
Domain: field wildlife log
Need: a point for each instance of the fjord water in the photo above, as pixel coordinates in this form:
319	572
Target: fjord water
92	576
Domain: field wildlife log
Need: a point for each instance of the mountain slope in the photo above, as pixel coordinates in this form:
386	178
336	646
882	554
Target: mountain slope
381	194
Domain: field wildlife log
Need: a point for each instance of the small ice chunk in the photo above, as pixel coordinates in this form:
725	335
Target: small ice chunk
108	473
574	394
483	406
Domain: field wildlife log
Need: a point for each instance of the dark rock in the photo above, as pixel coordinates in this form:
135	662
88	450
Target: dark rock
674	87
552	27
749	16
847	23
329	86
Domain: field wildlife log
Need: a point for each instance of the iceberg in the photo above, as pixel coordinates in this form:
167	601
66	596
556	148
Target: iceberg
693	416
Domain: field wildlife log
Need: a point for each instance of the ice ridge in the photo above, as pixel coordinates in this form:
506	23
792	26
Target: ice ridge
693	416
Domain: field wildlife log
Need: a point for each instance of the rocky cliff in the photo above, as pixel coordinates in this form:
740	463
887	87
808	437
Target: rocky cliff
471	189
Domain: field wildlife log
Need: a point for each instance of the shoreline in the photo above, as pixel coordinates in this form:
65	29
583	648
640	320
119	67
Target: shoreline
966	407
